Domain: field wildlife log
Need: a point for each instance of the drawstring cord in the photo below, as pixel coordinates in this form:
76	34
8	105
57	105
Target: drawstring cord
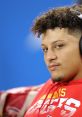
57	85
44	100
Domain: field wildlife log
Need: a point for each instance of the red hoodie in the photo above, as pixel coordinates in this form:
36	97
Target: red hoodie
58	100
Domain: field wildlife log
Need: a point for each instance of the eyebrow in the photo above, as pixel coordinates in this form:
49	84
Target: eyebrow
52	42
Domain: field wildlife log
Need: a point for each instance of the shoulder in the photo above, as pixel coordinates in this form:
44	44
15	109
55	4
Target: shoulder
17	97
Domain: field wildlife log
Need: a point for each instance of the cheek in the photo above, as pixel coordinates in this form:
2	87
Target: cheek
71	59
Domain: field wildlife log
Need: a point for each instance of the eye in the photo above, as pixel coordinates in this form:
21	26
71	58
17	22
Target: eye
59	46
45	50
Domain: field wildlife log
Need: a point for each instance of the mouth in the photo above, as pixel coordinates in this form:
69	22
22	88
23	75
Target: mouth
53	67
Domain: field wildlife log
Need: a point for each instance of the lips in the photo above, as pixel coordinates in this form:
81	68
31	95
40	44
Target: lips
53	67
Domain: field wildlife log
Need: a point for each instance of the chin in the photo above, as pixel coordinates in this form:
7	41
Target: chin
58	78
61	79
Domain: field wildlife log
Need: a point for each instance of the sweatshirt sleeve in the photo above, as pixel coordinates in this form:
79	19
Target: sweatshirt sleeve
14	102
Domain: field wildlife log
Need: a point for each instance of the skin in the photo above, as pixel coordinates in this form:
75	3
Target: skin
61	53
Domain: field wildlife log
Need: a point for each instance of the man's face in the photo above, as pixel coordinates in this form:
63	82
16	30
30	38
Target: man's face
61	53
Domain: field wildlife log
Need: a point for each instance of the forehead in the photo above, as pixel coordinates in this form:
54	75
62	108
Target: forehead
60	34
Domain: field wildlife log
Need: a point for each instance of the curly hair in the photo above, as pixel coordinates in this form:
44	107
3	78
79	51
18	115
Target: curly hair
63	17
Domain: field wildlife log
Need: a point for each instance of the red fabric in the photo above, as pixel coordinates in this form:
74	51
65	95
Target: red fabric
58	100
15	100
14	103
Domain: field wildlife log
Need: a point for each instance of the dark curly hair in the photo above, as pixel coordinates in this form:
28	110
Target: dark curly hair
63	17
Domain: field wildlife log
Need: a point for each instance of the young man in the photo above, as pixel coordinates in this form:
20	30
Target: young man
61	31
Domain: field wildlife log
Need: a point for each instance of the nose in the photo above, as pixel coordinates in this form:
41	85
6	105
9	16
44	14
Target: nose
51	55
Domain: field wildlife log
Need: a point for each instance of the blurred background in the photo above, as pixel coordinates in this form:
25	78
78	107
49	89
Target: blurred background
21	57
